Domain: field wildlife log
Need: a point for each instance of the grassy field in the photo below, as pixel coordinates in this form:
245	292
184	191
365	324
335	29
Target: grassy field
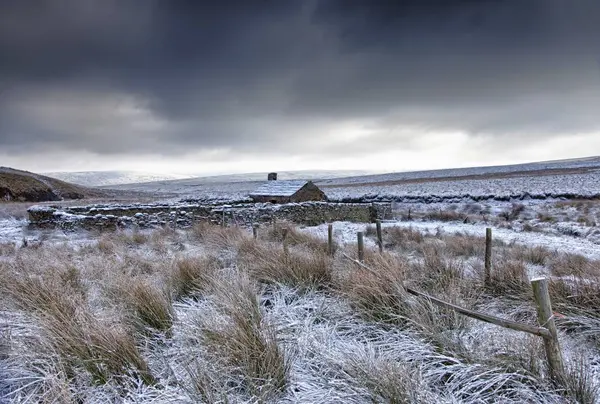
212	315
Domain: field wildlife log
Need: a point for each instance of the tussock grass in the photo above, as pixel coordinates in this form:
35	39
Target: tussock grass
436	272
379	294
252	323
546	217
576	295
402	237
533	255
578	382
513	213
217	237
509	278
150	306
296	267
48	295
574	265
388	380
464	245
294	237
81	340
106	245
246	341
106	351
446	216
128	238
192	275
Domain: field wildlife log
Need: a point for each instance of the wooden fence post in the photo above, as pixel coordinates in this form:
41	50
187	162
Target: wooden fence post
330	239
379	235
255	231
361	246
488	257
285	243
546	320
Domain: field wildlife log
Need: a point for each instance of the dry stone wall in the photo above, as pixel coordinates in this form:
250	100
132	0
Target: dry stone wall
185	215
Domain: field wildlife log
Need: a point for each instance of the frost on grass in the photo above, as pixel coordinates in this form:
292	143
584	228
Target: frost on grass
213	316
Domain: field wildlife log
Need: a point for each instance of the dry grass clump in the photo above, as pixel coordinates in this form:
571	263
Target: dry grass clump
294	237
295	267
217	237
576	295
81	340
578	382
576	286
106	351
150	307
509	278
377	289
193	274
436	272
513	213
586	221
246	341
446	216
133	238
401	237
48	295
388	380
575	265
546	217
110	243
463	245
106	245
534	255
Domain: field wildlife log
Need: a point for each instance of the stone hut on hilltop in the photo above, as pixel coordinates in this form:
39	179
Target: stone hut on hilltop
288	191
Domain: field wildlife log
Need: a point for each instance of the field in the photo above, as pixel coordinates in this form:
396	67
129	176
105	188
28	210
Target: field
210	314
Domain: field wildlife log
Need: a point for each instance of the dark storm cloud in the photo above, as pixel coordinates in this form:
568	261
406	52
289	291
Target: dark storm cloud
256	75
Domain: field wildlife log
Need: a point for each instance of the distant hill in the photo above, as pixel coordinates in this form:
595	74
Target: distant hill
246	177
108	178
24	186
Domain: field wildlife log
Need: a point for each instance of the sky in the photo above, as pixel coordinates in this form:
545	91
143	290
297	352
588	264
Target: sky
247	86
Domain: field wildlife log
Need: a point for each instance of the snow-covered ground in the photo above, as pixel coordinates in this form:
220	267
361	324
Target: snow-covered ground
584	185
345	233
551	179
584	163
107	178
12	230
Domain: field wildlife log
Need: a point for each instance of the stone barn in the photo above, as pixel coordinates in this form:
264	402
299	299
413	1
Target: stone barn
288	191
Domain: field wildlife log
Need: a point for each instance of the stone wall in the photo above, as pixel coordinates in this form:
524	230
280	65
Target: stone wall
184	215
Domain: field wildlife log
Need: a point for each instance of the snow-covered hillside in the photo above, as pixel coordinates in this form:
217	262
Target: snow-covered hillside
580	177
571	164
107	178
182	184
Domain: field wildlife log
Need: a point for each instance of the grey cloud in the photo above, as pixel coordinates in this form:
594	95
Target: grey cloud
269	76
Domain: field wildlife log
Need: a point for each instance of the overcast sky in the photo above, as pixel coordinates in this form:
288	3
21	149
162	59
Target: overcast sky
244	86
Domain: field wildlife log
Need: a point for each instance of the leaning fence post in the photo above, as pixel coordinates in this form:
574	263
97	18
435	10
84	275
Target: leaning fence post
379	235
488	257
255	231
546	320
285	243
330	239
361	246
